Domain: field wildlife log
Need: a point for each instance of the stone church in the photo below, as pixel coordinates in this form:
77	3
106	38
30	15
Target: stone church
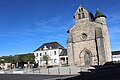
88	40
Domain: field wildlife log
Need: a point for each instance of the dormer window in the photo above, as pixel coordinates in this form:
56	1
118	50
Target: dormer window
50	47
45	47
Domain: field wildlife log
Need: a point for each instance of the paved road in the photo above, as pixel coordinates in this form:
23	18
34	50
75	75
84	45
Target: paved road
31	77
108	74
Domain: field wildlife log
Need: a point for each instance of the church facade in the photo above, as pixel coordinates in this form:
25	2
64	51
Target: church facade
88	40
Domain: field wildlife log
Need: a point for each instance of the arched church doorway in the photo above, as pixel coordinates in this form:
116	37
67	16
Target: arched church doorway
87	58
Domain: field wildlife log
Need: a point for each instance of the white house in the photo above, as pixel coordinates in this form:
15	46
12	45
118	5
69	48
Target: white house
116	56
53	50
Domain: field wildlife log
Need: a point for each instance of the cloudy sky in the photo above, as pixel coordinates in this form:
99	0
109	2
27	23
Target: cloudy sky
27	24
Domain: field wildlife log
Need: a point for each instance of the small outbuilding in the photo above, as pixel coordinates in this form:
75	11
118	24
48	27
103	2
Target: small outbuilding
116	56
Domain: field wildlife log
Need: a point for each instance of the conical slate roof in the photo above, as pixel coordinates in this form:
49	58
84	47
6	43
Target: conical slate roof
99	14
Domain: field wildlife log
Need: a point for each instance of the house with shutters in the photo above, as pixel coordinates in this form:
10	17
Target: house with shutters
56	53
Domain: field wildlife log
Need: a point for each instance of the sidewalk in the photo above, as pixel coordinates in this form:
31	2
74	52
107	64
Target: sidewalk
50	71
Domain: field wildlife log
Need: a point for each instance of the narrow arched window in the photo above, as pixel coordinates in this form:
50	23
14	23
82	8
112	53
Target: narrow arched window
79	16
83	15
81	9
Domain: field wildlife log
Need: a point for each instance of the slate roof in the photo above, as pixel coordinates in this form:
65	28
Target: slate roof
115	52
53	45
91	15
99	14
63	53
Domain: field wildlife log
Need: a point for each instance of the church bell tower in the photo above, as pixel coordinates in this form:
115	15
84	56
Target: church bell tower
88	40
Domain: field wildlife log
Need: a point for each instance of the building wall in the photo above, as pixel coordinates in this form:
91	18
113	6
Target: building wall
79	44
79	51
116	58
53	58
5	66
86	39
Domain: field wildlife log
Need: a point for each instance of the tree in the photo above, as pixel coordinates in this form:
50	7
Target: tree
9	59
26	57
2	61
45	58
29	57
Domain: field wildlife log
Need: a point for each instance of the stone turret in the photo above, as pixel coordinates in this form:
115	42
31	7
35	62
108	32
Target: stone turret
100	17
